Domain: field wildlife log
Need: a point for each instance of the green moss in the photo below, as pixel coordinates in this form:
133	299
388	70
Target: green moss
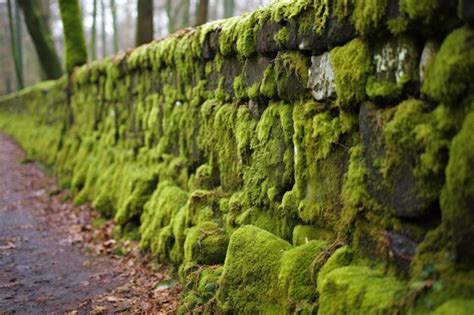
377	89
455	307
352	65
291	70
251	270
368	15
295	276
419	9
458	192
448	77
282	36
76	52
239	87
302	234
206	244
268	86
340	258
358	288
164	203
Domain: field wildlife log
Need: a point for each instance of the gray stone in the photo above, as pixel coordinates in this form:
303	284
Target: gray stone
291	86
402	250
339	32
256	108
397	61
429	51
211	44
230	69
265	38
254	68
321	77
399	191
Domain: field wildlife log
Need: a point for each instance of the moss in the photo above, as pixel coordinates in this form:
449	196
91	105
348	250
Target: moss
340	258
352	65
358	288
282	36
206	244
291	70
251	270
296	274
368	15
164	203
302	234
455	306
240	88
417	9
448	76
268	87
458	192
76	52
376	89
272	160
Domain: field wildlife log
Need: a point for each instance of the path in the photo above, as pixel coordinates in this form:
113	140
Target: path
43	267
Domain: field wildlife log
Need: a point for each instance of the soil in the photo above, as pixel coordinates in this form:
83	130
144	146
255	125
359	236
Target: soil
58	258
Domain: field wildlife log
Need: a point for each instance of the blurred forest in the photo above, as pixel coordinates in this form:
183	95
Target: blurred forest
109	26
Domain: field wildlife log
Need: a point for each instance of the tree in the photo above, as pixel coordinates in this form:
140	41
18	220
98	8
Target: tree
229	6
114	24
201	12
93	41
42	38
15	39
104	33
144	30
74	39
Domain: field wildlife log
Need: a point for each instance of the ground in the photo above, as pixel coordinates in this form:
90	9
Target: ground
58	257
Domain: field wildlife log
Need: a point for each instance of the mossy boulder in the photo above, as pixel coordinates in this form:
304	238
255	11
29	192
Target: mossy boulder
457	198
251	271
352	289
456	307
205	244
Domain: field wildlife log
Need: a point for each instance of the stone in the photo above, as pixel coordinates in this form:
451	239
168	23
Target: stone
256	108
254	68
400	191
339	32
321	77
397	60
402	250
230	69
265	38
427	54
292	75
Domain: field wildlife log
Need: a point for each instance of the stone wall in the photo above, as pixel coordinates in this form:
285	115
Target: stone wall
311	156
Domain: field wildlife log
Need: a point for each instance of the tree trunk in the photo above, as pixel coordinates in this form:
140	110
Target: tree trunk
114	24
93	41
171	17
42	38
229	6
74	39
15	28
201	12
185	7
144	28
104	34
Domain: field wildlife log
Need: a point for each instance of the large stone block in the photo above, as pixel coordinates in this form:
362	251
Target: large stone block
265	35
321	77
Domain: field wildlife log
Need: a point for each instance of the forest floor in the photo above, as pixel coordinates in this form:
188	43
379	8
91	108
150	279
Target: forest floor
56	257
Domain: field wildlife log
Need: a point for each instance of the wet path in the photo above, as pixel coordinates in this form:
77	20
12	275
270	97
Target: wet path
41	271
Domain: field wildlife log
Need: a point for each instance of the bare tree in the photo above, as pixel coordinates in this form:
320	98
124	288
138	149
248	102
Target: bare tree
104	33
15	28
42	38
229	6
114	24
201	12
93	40
144	30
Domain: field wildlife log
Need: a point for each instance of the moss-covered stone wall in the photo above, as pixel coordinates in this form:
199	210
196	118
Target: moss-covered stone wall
312	156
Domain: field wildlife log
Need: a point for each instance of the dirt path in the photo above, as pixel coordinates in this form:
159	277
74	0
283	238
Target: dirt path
53	261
